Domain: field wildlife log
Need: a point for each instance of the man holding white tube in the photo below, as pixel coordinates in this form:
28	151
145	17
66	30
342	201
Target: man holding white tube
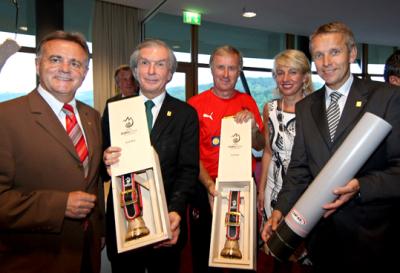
361	227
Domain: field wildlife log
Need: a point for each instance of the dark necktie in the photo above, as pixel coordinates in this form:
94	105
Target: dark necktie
333	113
149	105
75	133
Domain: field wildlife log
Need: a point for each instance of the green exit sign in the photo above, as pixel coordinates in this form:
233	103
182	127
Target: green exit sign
192	18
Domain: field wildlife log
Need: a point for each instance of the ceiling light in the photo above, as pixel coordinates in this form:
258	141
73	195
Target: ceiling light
23	28
248	13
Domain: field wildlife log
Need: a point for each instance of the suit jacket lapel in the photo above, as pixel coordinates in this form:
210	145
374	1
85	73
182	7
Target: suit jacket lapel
318	110
353	108
163	118
46	118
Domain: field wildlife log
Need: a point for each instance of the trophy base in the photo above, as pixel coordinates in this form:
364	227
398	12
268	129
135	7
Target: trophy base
231	250
136	229
282	243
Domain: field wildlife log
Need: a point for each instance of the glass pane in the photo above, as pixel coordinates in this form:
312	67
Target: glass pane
379	79
377	55
317	81
21	39
85	92
205	79
171	30
376	69
26	18
18	76
252	43
177	86
262	87
78	16
182	56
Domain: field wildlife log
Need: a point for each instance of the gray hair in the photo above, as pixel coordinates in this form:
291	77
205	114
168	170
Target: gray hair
227	49
74	37
153	43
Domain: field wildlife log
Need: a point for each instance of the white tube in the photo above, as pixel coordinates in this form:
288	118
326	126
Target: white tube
337	172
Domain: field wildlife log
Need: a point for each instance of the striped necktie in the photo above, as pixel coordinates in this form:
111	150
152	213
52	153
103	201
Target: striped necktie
333	114
75	133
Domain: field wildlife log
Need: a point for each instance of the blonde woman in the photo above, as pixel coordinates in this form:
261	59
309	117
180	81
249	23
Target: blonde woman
292	73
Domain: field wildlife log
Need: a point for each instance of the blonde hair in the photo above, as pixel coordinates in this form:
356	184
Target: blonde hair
298	60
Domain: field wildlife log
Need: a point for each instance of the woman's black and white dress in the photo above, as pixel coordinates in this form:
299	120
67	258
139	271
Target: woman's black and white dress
281	126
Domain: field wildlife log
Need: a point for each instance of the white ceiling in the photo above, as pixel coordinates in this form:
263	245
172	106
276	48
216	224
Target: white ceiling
372	21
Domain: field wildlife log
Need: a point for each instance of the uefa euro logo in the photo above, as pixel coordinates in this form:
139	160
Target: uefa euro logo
128	122
235	138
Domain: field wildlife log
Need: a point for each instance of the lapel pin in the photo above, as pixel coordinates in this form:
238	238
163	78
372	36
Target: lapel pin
358	103
169	113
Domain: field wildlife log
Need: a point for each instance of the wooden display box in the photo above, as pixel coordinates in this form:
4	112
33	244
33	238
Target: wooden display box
155	212
248	234
128	130
234	174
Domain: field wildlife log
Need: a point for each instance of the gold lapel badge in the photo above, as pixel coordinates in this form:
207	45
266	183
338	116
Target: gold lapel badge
169	113
358	103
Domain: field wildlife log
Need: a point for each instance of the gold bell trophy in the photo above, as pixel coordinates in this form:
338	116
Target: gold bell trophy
231	248
131	202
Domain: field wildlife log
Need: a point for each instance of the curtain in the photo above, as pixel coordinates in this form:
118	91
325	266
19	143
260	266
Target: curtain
116	32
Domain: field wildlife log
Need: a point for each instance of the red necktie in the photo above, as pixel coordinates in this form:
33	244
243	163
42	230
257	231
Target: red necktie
75	133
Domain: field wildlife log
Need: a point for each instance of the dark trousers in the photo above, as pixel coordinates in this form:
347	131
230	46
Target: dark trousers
166	259
200	231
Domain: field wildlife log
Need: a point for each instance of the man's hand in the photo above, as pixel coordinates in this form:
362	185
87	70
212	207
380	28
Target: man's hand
271	225
344	194
244	116
174	221
79	204
260	202
111	156
212	192
257	138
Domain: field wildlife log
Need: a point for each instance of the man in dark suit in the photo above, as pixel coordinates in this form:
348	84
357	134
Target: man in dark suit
51	214
174	135
360	229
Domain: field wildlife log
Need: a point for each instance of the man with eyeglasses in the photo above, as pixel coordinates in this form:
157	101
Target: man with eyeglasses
174	134
221	100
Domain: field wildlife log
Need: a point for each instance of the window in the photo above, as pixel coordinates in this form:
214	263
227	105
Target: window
171	30
377	55
252	43
177	86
